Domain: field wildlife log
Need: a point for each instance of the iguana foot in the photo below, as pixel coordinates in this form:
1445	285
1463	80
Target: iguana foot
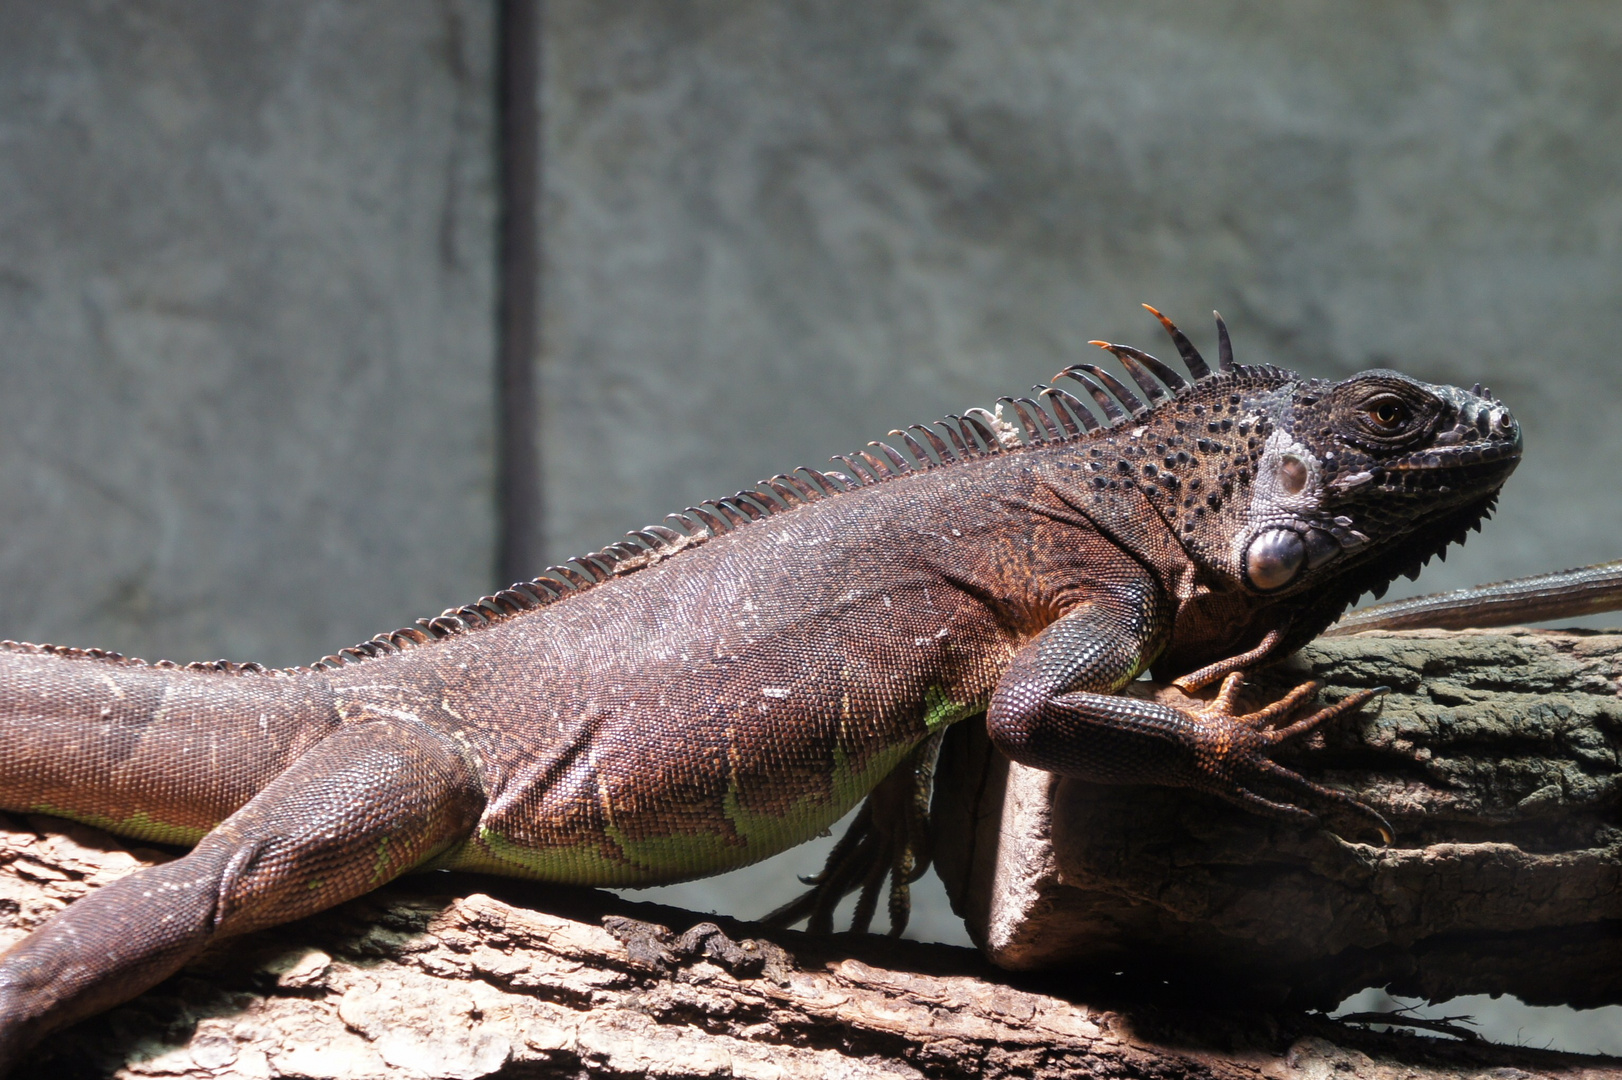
1044	715
889	837
861	860
1233	751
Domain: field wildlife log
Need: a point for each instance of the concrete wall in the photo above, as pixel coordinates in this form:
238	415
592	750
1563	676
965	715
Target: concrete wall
246	281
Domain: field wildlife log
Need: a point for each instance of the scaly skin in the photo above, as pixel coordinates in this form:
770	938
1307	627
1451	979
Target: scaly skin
715	699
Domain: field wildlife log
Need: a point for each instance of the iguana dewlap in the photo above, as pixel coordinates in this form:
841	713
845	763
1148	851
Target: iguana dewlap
700	697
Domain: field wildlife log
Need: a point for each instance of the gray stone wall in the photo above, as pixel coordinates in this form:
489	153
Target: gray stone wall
245	322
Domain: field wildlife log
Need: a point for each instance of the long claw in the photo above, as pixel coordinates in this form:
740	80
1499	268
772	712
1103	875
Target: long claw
1284	706
1349	703
1340	798
1271	808
861	919
900	905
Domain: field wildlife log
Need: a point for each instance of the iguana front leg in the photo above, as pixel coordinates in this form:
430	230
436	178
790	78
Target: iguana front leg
374	799
1055	709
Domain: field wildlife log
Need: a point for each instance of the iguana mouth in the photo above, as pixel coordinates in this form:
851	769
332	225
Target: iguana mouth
1477	459
1451	484
1479	451
1446	477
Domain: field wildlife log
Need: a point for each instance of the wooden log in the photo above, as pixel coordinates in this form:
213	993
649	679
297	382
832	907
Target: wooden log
1496	757
462	976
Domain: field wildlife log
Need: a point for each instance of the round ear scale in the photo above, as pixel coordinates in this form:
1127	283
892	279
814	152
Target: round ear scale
1274	558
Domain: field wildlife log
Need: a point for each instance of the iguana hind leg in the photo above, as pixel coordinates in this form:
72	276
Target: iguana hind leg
889	837
368	803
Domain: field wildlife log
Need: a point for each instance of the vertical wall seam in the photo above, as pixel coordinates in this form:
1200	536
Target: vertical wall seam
519	506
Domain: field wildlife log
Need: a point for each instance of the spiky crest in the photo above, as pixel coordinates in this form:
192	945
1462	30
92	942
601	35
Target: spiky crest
1052	416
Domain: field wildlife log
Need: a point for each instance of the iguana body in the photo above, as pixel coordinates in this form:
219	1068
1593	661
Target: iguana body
686	702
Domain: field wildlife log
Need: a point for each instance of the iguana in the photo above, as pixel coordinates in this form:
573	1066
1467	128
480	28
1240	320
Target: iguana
709	692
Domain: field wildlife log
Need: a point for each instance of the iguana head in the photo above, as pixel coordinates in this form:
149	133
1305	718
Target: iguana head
1298	495
1378	471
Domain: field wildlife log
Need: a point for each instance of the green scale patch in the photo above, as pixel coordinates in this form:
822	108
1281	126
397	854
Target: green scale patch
617	859
138	825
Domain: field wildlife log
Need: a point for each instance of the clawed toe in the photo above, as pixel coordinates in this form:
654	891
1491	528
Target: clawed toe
1349	703
1224	706
1247	757
1291	781
1270	807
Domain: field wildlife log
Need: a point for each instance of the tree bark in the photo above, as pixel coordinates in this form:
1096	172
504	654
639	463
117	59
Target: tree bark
1496	758
464	976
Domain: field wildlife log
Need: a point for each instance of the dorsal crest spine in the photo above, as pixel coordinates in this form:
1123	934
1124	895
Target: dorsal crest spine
1051	416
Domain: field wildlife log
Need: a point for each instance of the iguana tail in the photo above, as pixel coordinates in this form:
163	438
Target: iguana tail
292	808
151	752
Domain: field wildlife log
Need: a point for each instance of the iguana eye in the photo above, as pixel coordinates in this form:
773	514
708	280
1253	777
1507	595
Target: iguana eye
1384	411
1388	414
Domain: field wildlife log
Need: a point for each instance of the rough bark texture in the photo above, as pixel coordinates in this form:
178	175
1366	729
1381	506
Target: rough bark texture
429	978
1496	758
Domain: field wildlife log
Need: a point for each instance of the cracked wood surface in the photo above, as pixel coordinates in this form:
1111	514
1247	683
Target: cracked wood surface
430	978
1496	757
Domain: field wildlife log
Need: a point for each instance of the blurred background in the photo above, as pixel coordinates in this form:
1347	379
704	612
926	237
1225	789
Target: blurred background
318	317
